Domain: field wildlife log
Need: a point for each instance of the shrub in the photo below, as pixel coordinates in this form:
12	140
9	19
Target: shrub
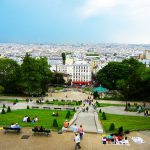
95	95
47	101
68	114
28	107
98	104
4	105
103	116
127	132
55	124
3	111
74	109
100	111
8	109
112	127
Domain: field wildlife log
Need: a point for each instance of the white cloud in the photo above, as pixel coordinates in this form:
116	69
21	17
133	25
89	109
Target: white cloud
95	7
132	8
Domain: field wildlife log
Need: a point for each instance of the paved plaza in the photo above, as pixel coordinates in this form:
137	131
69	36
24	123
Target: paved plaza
55	141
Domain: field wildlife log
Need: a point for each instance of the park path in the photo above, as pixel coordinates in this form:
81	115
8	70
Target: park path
119	110
89	121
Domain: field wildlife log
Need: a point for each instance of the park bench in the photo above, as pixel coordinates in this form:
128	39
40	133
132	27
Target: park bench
35	107
17	130
44	131
46	108
57	108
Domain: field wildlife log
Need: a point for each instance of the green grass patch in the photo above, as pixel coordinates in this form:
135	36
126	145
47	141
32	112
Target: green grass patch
58	88
131	123
12	100
107	104
87	89
55	102
44	116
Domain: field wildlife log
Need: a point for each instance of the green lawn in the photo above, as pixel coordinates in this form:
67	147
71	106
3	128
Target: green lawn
12	100
107	104
45	117
77	103
128	122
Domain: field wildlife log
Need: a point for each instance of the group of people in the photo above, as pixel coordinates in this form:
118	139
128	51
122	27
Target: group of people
27	119
113	139
38	128
78	135
15	125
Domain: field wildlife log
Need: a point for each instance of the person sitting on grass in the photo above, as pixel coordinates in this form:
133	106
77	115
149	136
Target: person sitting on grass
25	119
28	119
32	120
55	114
36	119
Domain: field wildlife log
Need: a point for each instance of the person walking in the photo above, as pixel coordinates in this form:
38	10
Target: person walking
74	128
77	141
80	131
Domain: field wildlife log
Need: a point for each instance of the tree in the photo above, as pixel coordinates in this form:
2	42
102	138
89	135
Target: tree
55	124
103	116
1	89
112	127
28	107
100	110
63	57
112	72
129	77
9	75
58	79
8	109
3	111
68	114
95	95
35	75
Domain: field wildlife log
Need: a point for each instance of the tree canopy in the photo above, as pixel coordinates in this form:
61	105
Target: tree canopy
63	58
32	77
9	75
130	77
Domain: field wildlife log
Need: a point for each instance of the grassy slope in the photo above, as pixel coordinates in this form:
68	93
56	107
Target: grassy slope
128	122
45	117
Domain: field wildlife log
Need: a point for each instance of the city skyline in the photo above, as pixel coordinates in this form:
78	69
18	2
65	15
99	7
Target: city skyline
94	21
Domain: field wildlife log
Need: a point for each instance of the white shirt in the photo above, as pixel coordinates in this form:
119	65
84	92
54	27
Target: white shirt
77	139
13	126
25	119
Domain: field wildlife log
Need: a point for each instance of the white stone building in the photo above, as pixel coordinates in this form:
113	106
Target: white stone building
81	73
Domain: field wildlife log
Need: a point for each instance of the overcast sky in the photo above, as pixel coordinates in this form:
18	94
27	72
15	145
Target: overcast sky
72	21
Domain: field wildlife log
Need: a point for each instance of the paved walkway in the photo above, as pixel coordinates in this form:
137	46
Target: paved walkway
119	111
86	119
89	121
